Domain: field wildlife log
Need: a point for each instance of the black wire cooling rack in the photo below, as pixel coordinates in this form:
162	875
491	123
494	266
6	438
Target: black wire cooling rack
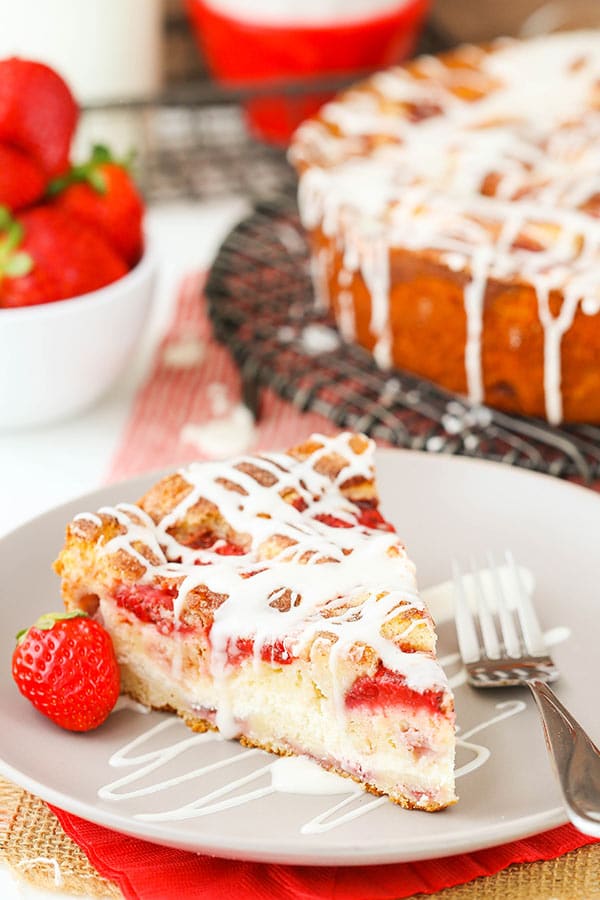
199	150
262	308
192	141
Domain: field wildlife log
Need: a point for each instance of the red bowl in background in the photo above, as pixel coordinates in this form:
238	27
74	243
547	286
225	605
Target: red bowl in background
245	54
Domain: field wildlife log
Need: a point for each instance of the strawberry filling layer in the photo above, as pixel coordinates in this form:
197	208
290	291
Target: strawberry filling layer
229	549
333	521
274	652
370	517
148	603
207	540
388	689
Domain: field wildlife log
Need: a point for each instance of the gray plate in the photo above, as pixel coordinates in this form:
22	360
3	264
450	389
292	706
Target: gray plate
444	507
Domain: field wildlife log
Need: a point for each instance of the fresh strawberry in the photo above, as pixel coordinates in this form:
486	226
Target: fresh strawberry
46	255
102	193
66	665
37	113
22	180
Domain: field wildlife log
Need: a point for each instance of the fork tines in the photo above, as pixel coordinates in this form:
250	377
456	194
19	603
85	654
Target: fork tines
496	621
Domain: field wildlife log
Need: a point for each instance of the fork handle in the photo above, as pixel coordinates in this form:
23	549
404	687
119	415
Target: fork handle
576	759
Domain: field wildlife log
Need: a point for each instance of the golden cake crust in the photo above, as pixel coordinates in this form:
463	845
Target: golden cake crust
83	564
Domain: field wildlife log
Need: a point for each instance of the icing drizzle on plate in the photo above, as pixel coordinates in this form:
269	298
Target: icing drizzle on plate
287	775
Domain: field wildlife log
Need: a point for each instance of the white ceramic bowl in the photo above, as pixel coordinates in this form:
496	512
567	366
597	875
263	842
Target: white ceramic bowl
58	358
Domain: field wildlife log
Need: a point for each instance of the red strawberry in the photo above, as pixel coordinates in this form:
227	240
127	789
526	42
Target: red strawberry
47	256
22	180
66	665
102	194
37	113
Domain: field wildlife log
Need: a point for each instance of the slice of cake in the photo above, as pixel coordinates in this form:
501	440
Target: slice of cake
268	598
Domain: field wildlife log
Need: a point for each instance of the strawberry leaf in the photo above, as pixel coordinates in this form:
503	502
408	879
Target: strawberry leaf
102	154
13	262
18	265
49	620
89	172
97	179
6	218
13	229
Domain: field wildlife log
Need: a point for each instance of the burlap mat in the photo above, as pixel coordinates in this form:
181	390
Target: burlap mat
36	848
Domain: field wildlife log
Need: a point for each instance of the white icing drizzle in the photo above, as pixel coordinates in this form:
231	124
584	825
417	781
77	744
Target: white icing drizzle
88	517
507	709
474	295
299	775
221	437
295	775
319	266
376	272
34	861
491	164
185	353
362	580
287	775
331	818
317	339
229	431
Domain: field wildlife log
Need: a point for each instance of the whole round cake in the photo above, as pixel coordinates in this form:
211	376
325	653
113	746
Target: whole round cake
453	207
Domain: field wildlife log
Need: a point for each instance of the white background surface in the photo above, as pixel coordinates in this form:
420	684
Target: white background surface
42	467
128	32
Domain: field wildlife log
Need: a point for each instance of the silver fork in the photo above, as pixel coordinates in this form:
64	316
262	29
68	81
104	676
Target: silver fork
517	655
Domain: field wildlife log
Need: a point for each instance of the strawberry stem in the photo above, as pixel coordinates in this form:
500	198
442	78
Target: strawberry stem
12	264
13	229
89	172
49	620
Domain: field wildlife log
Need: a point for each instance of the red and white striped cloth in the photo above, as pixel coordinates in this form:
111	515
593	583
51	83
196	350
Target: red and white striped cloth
179	393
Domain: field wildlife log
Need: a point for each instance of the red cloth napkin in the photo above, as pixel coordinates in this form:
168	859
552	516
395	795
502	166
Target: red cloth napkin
192	382
146	871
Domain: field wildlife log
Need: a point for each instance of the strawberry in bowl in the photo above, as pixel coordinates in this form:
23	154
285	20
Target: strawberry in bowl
53	257
76	274
38	113
101	193
22	179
